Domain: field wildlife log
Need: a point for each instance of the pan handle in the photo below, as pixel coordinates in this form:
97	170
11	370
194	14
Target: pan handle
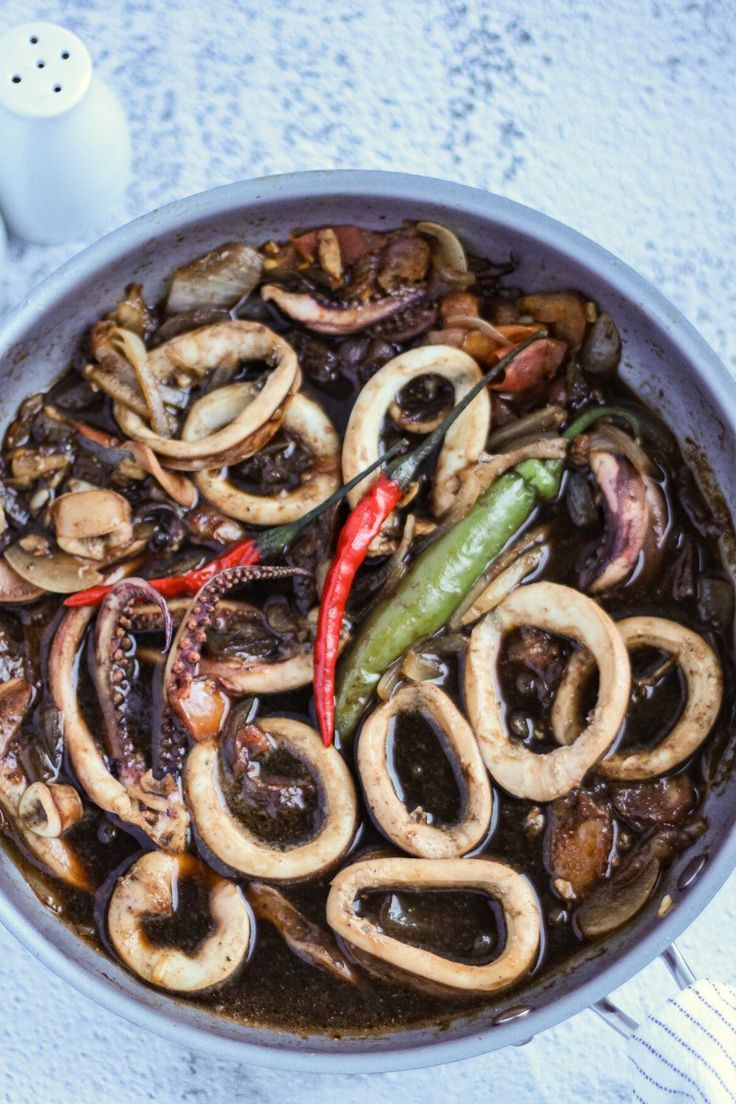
619	1020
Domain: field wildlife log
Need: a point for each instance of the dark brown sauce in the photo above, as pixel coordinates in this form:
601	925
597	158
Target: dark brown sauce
189	923
277	988
462	926
422	770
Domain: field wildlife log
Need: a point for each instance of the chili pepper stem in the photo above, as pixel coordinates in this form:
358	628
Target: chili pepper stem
589	417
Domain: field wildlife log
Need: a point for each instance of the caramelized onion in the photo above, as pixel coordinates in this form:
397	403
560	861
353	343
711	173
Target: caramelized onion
220	278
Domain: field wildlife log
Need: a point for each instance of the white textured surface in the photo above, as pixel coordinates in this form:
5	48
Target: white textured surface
617	119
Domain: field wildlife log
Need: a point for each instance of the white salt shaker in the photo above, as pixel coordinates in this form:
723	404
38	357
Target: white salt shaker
64	143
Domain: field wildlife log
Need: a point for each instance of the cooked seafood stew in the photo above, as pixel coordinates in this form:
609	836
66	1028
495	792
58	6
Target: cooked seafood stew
366	646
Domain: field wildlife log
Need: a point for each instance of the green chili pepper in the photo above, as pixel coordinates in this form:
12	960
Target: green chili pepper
443	574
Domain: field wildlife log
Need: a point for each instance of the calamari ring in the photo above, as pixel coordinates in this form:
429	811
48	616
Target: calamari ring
565	611
464	441
704	681
307	421
148	889
511	889
221	345
237	847
409	829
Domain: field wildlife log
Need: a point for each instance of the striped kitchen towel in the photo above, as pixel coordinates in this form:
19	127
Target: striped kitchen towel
686	1050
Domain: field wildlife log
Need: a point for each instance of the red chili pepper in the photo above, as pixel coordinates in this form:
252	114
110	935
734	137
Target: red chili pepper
363	524
250	551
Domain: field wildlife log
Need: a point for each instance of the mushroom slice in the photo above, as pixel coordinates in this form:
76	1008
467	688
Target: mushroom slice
149	889
704	683
52	570
222	345
513	892
307	421
409	829
239	848
562	610
464	441
54	855
14	588
89	523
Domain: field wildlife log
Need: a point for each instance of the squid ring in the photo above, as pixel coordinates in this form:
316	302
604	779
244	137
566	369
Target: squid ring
237	847
307	421
409	830
495	879
704	681
565	611
464	441
148	888
224	345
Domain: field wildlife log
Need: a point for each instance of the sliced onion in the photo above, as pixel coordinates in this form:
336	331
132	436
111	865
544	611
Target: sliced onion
421	666
176	485
472	322
448	256
539	421
507	572
610	438
134	351
218	279
614	904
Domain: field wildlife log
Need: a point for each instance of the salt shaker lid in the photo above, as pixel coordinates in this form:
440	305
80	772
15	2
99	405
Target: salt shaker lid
44	70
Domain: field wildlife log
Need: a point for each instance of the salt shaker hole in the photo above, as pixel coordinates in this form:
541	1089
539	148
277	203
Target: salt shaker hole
34	40
17	79
40	64
57	88
65	55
